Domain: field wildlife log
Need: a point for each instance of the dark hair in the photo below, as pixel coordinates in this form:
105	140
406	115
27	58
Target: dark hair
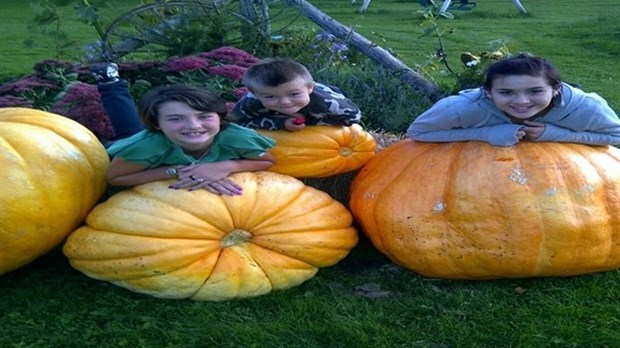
523	64
196	98
272	72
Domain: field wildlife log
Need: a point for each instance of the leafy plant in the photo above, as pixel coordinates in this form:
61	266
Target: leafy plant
50	17
58	86
474	66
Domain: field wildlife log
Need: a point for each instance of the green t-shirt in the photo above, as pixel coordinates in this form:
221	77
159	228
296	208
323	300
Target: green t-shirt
154	149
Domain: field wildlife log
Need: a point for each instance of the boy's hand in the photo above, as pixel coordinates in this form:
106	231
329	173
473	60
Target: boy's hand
294	124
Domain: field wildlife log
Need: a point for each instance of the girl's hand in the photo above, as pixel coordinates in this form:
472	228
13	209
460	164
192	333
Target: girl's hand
221	187
206	172
533	130
211	176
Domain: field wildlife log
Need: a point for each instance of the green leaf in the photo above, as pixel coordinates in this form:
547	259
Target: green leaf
87	14
61	3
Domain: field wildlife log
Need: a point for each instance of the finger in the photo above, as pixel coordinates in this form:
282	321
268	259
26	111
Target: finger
231	190
533	123
231	184
186	183
199	183
212	190
227	188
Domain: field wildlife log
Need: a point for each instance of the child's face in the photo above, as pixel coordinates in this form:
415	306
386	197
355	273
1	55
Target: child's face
521	96
287	98
191	129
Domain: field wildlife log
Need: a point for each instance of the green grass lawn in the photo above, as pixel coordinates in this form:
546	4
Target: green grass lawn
581	37
365	300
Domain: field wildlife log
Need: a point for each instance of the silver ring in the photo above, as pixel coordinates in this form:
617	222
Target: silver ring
192	177
200	179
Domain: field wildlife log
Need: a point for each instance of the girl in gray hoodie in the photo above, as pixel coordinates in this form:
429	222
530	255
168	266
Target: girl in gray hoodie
523	98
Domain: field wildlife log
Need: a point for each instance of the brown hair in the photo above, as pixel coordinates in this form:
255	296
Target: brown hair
523	64
272	72
196	98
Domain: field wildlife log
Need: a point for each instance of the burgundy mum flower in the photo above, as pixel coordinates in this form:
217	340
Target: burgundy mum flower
82	103
240	92
51	65
9	101
131	67
25	85
188	63
233	72
231	55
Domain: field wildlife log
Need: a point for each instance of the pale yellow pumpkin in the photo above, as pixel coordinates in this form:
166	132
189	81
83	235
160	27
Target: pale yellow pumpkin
53	173
321	151
194	244
470	210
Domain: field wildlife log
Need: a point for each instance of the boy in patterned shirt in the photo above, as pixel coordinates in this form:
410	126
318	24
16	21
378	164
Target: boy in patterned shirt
283	95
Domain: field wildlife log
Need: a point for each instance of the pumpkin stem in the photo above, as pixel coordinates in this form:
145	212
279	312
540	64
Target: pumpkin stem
235	237
345	151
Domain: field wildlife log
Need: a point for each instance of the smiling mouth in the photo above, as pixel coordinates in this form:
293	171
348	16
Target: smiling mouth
522	109
193	134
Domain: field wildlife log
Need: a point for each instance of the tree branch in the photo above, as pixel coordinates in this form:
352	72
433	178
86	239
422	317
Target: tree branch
368	48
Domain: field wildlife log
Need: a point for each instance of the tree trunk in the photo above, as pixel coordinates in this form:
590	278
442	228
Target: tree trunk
359	42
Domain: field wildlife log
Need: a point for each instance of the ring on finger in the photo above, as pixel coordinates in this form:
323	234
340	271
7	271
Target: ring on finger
200	179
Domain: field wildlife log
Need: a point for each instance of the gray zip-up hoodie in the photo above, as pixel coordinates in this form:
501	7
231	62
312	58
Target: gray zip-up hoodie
579	117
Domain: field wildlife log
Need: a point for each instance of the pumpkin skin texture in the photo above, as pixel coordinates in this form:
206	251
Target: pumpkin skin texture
194	244
321	151
469	210
53	173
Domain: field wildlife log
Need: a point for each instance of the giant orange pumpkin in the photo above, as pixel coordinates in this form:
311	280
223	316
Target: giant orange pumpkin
321	151
53	173
469	210
194	244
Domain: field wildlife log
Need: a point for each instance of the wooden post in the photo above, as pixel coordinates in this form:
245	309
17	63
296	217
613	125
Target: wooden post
368	48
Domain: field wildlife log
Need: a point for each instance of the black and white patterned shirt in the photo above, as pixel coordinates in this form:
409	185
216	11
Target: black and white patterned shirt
328	106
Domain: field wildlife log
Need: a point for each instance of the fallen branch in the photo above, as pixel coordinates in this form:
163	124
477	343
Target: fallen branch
368	48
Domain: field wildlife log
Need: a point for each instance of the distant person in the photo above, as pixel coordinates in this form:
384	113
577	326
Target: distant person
283	95
523	99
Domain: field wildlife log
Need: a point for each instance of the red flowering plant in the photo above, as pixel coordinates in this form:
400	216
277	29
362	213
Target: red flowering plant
42	87
182	64
230	55
68	89
10	101
81	102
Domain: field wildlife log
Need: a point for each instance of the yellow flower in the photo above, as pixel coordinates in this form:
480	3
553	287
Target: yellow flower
495	55
469	59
